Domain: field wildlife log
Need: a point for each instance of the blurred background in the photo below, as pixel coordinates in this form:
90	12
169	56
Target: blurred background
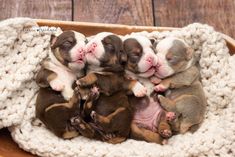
171	13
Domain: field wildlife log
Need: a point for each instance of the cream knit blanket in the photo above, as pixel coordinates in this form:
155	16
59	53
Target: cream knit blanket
21	50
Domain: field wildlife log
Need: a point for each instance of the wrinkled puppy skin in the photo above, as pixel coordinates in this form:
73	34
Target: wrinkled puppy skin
150	120
56	101
184	94
111	112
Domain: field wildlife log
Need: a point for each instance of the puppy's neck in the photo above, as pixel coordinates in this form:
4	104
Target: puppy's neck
55	61
191	63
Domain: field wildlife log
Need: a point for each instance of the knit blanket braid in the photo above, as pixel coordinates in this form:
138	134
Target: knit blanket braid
215	137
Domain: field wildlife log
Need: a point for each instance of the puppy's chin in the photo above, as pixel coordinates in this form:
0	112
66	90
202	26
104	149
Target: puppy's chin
150	72
76	66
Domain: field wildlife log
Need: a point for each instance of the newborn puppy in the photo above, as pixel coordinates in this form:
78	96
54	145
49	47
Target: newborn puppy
56	105
111	112
150	120
66	59
183	91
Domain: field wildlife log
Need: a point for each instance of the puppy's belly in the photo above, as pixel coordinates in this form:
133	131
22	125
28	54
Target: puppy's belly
148	115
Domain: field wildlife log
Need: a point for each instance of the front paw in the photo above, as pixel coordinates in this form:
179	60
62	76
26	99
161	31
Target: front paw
165	133
139	90
155	80
56	85
170	116
94	116
95	92
68	93
160	88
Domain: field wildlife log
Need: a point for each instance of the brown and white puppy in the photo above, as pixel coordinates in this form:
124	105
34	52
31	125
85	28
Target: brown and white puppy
111	112
65	63
56	101
150	120
180	81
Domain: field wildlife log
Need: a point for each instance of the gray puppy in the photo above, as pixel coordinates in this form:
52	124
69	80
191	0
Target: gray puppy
180	81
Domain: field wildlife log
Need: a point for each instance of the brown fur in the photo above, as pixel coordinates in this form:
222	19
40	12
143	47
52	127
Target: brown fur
56	117
110	112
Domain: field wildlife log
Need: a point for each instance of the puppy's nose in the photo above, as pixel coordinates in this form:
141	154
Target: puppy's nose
150	60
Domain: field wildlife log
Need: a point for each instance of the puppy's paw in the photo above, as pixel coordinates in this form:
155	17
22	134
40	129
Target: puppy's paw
75	120
57	85
94	116
160	88
165	133
155	80
67	93
139	90
95	92
170	116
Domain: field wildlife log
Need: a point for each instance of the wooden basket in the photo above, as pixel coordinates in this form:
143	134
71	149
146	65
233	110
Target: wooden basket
7	146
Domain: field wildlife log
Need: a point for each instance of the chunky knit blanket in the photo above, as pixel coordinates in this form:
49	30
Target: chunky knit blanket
23	46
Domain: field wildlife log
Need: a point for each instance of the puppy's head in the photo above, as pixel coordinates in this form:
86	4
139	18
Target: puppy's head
174	56
69	49
105	50
141	56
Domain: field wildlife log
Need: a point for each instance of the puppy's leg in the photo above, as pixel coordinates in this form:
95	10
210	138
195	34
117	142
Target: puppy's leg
167	104
88	80
84	128
144	134
114	140
136	87
104	121
73	101
44	76
164	128
162	86
70	134
191	111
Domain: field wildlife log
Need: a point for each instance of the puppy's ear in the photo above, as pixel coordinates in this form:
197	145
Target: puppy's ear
53	40
189	53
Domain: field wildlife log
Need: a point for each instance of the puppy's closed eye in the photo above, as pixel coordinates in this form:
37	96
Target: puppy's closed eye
110	47
66	44
172	59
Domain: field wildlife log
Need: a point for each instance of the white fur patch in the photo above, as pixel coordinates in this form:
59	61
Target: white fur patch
139	90
79	48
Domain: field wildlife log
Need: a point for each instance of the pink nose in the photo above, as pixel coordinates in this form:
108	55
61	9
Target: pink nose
150	60
80	53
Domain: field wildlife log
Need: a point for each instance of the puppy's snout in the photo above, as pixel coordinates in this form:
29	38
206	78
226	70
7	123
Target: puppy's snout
150	60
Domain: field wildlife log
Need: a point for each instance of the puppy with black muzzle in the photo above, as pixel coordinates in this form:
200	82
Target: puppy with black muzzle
56	101
111	112
150	120
180	81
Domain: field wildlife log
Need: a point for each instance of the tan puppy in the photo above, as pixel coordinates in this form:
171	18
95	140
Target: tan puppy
183	91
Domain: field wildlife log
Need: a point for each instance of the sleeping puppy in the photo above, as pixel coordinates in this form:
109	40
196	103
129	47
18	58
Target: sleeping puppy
111	112
180	82
56	101
150	120
66	59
